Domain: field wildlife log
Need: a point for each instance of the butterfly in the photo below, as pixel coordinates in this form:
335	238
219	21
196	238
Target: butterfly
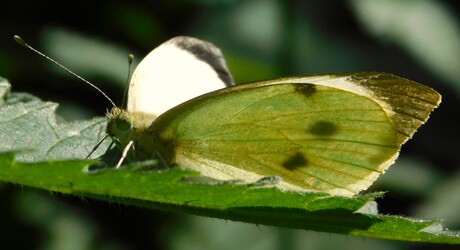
332	133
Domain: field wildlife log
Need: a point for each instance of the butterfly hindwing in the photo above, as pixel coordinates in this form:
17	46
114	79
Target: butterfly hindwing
407	103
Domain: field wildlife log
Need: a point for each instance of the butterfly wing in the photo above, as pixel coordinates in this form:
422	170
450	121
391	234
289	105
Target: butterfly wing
407	103
162	73
316	136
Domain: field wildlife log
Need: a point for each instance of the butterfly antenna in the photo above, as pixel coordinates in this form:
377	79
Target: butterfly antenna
125	94
19	40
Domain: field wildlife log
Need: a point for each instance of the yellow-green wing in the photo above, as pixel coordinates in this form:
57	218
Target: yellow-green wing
316	137
407	103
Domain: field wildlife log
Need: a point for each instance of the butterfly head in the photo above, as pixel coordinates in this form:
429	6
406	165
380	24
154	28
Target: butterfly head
130	132
120	125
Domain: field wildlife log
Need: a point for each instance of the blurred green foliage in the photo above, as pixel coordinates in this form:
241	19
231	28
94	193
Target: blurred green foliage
415	39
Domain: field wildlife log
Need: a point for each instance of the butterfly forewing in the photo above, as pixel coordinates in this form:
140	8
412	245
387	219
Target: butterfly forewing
316	137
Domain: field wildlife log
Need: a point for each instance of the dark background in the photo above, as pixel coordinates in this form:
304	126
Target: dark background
418	40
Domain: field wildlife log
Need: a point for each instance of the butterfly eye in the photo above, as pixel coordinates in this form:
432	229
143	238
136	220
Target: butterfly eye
123	124
119	123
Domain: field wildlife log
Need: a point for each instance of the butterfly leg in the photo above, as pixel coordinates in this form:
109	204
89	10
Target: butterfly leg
124	154
162	162
266	181
97	145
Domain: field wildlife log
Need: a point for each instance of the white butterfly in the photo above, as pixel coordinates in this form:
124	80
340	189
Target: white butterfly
333	133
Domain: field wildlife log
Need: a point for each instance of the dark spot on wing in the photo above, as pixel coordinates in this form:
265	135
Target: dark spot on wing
306	89
206	52
323	128
295	161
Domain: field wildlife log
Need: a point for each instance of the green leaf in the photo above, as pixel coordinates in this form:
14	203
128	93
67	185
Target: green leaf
169	191
28	126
